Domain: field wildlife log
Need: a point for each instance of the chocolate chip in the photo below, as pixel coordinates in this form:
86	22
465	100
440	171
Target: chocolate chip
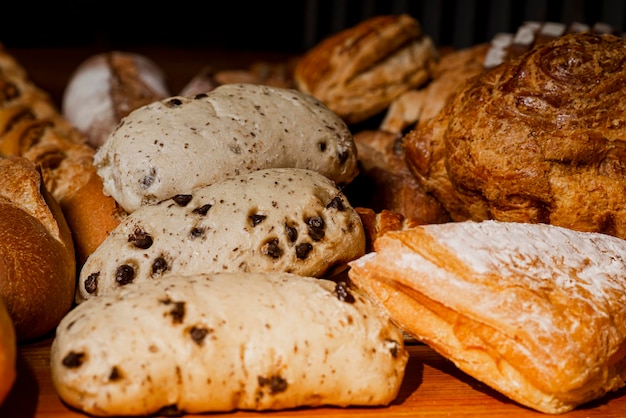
341	290
292	233
316	227
140	239
178	312
91	282
303	250
202	210
148	180
115	374
272	248
198	334
256	219
124	274
159	266
276	384
336	203
173	102
200	96
73	360
196	232
182	199
322	146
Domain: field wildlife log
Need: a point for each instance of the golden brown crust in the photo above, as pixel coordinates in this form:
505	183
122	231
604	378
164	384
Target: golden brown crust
541	138
37	262
377	224
359	71
8	352
32	127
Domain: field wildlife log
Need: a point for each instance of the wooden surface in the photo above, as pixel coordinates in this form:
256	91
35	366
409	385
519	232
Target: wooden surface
433	387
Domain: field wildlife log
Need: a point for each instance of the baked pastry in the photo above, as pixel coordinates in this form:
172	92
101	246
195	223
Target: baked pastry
537	139
376	224
386	183
32	127
536	311
108	86
8	353
225	341
420	104
37	261
188	142
280	219
359	71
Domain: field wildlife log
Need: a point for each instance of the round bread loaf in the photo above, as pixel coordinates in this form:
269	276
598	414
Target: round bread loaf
225	341
108	86
176	144
8	352
37	262
279	219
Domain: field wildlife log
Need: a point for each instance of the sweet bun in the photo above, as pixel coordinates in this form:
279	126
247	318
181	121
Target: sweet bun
279	219
539	138
225	341
535	311
359	71
37	261
179	143
108	86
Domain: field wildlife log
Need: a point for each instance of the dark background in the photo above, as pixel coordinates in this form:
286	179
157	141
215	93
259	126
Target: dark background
283	26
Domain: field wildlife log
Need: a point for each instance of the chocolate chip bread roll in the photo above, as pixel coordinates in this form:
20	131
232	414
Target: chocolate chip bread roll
173	145
225	341
280	219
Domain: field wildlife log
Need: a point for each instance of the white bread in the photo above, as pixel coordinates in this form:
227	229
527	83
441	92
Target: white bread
225	341
108	86
280	219
176	144
37	261
537	312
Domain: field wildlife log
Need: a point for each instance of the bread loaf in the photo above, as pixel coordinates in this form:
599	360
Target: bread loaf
108	86
174	145
32	127
225	341
37	261
280	219
8	353
536	311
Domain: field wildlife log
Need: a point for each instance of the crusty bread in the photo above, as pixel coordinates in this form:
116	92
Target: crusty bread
536	139
8	352
179	143
281	219
37	261
32	127
359	71
108	86
225	341
536	311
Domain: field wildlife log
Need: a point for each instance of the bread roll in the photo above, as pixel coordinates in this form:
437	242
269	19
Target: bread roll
280	219
8	353
177	144
225	341
539	138
536	311
37	261
359	71
108	86
32	127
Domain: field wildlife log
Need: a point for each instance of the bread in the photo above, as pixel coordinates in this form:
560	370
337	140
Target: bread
386	183
376	224
281	219
359	71
177	144
8	353
537	139
535	311
420	104
37	261
32	127
108	86
225	341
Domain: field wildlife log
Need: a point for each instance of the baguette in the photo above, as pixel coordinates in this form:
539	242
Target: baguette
536	311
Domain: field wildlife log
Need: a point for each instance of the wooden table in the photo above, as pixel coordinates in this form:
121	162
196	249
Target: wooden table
433	387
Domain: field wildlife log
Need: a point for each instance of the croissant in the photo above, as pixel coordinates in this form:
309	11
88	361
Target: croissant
538	139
